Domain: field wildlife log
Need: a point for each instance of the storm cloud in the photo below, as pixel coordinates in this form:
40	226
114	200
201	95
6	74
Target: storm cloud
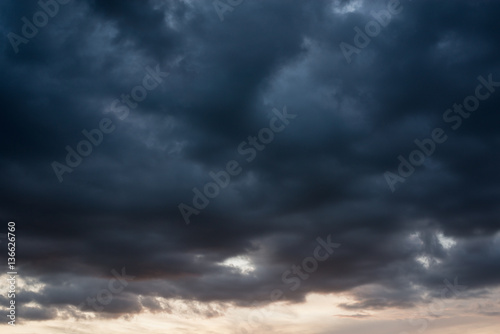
322	175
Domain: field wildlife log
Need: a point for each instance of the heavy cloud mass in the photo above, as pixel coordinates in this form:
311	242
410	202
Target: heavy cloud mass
196	151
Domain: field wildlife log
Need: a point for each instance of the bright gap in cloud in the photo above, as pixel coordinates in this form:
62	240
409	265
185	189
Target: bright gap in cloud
242	263
424	261
350	7
446	242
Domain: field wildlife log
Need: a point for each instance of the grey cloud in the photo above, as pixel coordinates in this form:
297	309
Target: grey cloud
322	175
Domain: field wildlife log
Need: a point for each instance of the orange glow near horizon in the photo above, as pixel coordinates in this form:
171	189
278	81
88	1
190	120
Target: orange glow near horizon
318	314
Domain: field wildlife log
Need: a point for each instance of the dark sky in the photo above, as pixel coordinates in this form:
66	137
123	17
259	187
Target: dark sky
322	175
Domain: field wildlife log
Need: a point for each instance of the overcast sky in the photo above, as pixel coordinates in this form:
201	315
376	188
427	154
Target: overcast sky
183	155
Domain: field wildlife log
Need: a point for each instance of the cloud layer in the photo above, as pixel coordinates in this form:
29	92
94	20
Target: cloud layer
323	175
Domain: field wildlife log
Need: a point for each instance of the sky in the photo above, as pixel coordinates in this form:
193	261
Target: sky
238	166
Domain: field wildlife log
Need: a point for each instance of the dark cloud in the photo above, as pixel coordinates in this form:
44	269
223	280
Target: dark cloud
322	175
36	313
